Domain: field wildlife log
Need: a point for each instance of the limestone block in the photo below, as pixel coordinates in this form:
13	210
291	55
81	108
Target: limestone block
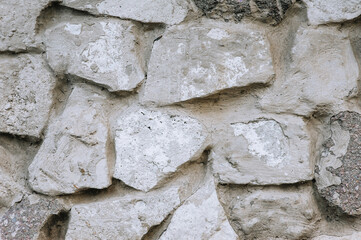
354	236
18	24
26	87
150	145
201	217
338	172
105	51
264	151
199	59
25	219
148	11
75	152
126	218
329	11
322	74
271	212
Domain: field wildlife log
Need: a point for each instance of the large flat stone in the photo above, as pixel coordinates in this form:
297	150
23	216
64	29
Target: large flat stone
330	11
148	11
150	145
26	87
288	212
202	58
76	151
264	151
105	51
338	172
322	74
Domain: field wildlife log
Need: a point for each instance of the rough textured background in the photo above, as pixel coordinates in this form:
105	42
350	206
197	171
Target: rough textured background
180	119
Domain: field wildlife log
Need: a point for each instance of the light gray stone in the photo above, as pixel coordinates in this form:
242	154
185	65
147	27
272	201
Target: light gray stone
26	87
75	154
264	151
271	212
354	236
152	144
323	74
105	51
148	11
329	11
202	58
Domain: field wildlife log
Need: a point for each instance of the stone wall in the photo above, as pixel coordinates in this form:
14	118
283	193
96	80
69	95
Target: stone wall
180	119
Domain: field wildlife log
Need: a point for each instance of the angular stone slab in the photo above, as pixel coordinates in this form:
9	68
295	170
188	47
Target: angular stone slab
264	151
150	145
201	217
26	87
288	212
338	174
270	11
148	11
322	74
199	59
330	11
25	219
18	24
126	218
75	153
104	51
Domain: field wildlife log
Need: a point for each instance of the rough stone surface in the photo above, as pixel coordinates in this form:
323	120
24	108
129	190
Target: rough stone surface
355	236
75	154
339	170
26	87
105	51
200	59
270	11
271	212
322	73
25	219
265	151
124	218
169	12
150	145
201	217
329	11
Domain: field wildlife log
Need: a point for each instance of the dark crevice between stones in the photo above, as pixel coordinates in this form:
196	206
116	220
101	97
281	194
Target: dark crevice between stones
55	227
155	232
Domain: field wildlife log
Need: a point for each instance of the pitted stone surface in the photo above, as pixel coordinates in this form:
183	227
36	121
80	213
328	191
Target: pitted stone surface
199	59
127	218
151	144
322	73
271	212
26	87
271	11
104	51
329	11
339	170
148	11
264	151
75	153
25	219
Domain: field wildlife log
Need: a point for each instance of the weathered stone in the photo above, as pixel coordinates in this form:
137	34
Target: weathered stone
150	145
199	59
18	24
75	154
264	151
104	51
354	236
25	219
329	11
338	173
288	212
26	87
10	191
129	217
322	73
148	11
201	217
270	11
